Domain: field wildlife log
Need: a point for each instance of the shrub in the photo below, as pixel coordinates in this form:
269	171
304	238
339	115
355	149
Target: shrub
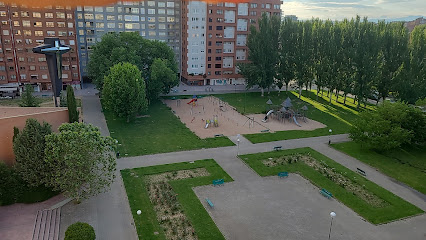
80	231
72	105
28	100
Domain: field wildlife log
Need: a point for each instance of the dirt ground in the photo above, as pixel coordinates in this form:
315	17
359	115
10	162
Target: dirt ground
230	122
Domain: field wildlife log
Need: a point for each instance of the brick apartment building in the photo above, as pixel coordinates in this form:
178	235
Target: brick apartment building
22	29
214	37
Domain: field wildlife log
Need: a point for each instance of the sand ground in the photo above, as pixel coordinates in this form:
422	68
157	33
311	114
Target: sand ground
229	120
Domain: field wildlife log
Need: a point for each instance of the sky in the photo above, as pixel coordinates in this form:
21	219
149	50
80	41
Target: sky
339	9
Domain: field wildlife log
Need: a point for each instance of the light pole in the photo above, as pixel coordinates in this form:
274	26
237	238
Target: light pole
329	136
332	215
238	144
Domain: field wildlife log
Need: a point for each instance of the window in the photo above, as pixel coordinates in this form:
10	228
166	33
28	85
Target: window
5	32
3	14
16	23
48	15
161	4
32	68
36	14
253	13
219	27
170	4
50	24
170	11
23	76
151	11
277	6
110	9
111	25
70	25
219	11
62	33
110	17
61	15
151	3
161	11
42	59
26	23
38	33
151	19
61	24
44	76
27	33
253	5
99	25
34	77
69	15
38	24
50	33
268	6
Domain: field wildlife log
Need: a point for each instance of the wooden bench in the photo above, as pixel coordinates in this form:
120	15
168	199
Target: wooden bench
282	174
360	171
218	182
326	193
218	135
278	148
266	130
210	203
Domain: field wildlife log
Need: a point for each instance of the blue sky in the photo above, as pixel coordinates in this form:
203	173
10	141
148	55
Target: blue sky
339	9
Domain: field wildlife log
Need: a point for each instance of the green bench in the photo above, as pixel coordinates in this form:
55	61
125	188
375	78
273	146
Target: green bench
326	193
218	182
210	203
282	174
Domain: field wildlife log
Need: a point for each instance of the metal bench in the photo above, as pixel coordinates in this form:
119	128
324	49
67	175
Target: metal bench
326	193
218	182
282	174
360	171
218	135
210	203
278	148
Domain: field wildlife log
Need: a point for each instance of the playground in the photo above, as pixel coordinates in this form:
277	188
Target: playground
210	116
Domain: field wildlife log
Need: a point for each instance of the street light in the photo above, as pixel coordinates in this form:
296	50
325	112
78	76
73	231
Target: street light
332	215
329	136
238	144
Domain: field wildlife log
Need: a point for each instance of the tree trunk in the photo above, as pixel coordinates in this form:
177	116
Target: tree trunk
344	100
262	92
331	96
286	87
357	106
337	95
300	91
354	99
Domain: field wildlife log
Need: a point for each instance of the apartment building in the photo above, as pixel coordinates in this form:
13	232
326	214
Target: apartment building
156	19
22	29
214	38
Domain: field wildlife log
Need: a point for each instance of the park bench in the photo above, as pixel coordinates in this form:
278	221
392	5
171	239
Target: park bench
278	148
210	203
326	193
360	171
218	135
218	182
266	130
282	174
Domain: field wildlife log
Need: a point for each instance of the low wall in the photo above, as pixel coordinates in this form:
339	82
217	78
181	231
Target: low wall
16	117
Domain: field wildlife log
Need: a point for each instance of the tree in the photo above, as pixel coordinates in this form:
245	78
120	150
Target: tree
81	161
162	79
80	231
28	146
286	65
28	100
72	105
392	125
132	48
63	99
262	46
124	91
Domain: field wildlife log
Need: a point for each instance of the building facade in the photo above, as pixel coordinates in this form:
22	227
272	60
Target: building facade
214	39
156	20
24	28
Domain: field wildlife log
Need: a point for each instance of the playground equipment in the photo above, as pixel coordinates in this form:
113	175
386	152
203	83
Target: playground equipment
267	115
213	121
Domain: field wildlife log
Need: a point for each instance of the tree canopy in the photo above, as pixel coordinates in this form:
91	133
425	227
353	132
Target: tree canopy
124	91
128	47
354	56
81	161
161	80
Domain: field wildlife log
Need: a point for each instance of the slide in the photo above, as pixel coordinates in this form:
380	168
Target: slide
193	100
207	125
295	121
267	115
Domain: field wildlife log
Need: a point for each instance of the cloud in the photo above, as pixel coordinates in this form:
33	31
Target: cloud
340	9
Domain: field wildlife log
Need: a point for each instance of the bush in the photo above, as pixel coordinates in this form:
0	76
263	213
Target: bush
28	100
80	231
13	188
72	105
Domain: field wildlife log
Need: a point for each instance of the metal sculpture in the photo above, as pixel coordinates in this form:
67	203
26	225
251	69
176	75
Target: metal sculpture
53	50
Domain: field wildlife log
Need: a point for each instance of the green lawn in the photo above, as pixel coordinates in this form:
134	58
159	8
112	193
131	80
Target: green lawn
336	116
396	207
147	224
159	131
405	165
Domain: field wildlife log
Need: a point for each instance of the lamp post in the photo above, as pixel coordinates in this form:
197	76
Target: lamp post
332	215
329	136
238	144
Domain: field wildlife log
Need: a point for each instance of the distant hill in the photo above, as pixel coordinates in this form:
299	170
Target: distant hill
402	19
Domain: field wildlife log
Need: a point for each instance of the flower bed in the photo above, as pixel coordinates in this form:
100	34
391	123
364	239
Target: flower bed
169	212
